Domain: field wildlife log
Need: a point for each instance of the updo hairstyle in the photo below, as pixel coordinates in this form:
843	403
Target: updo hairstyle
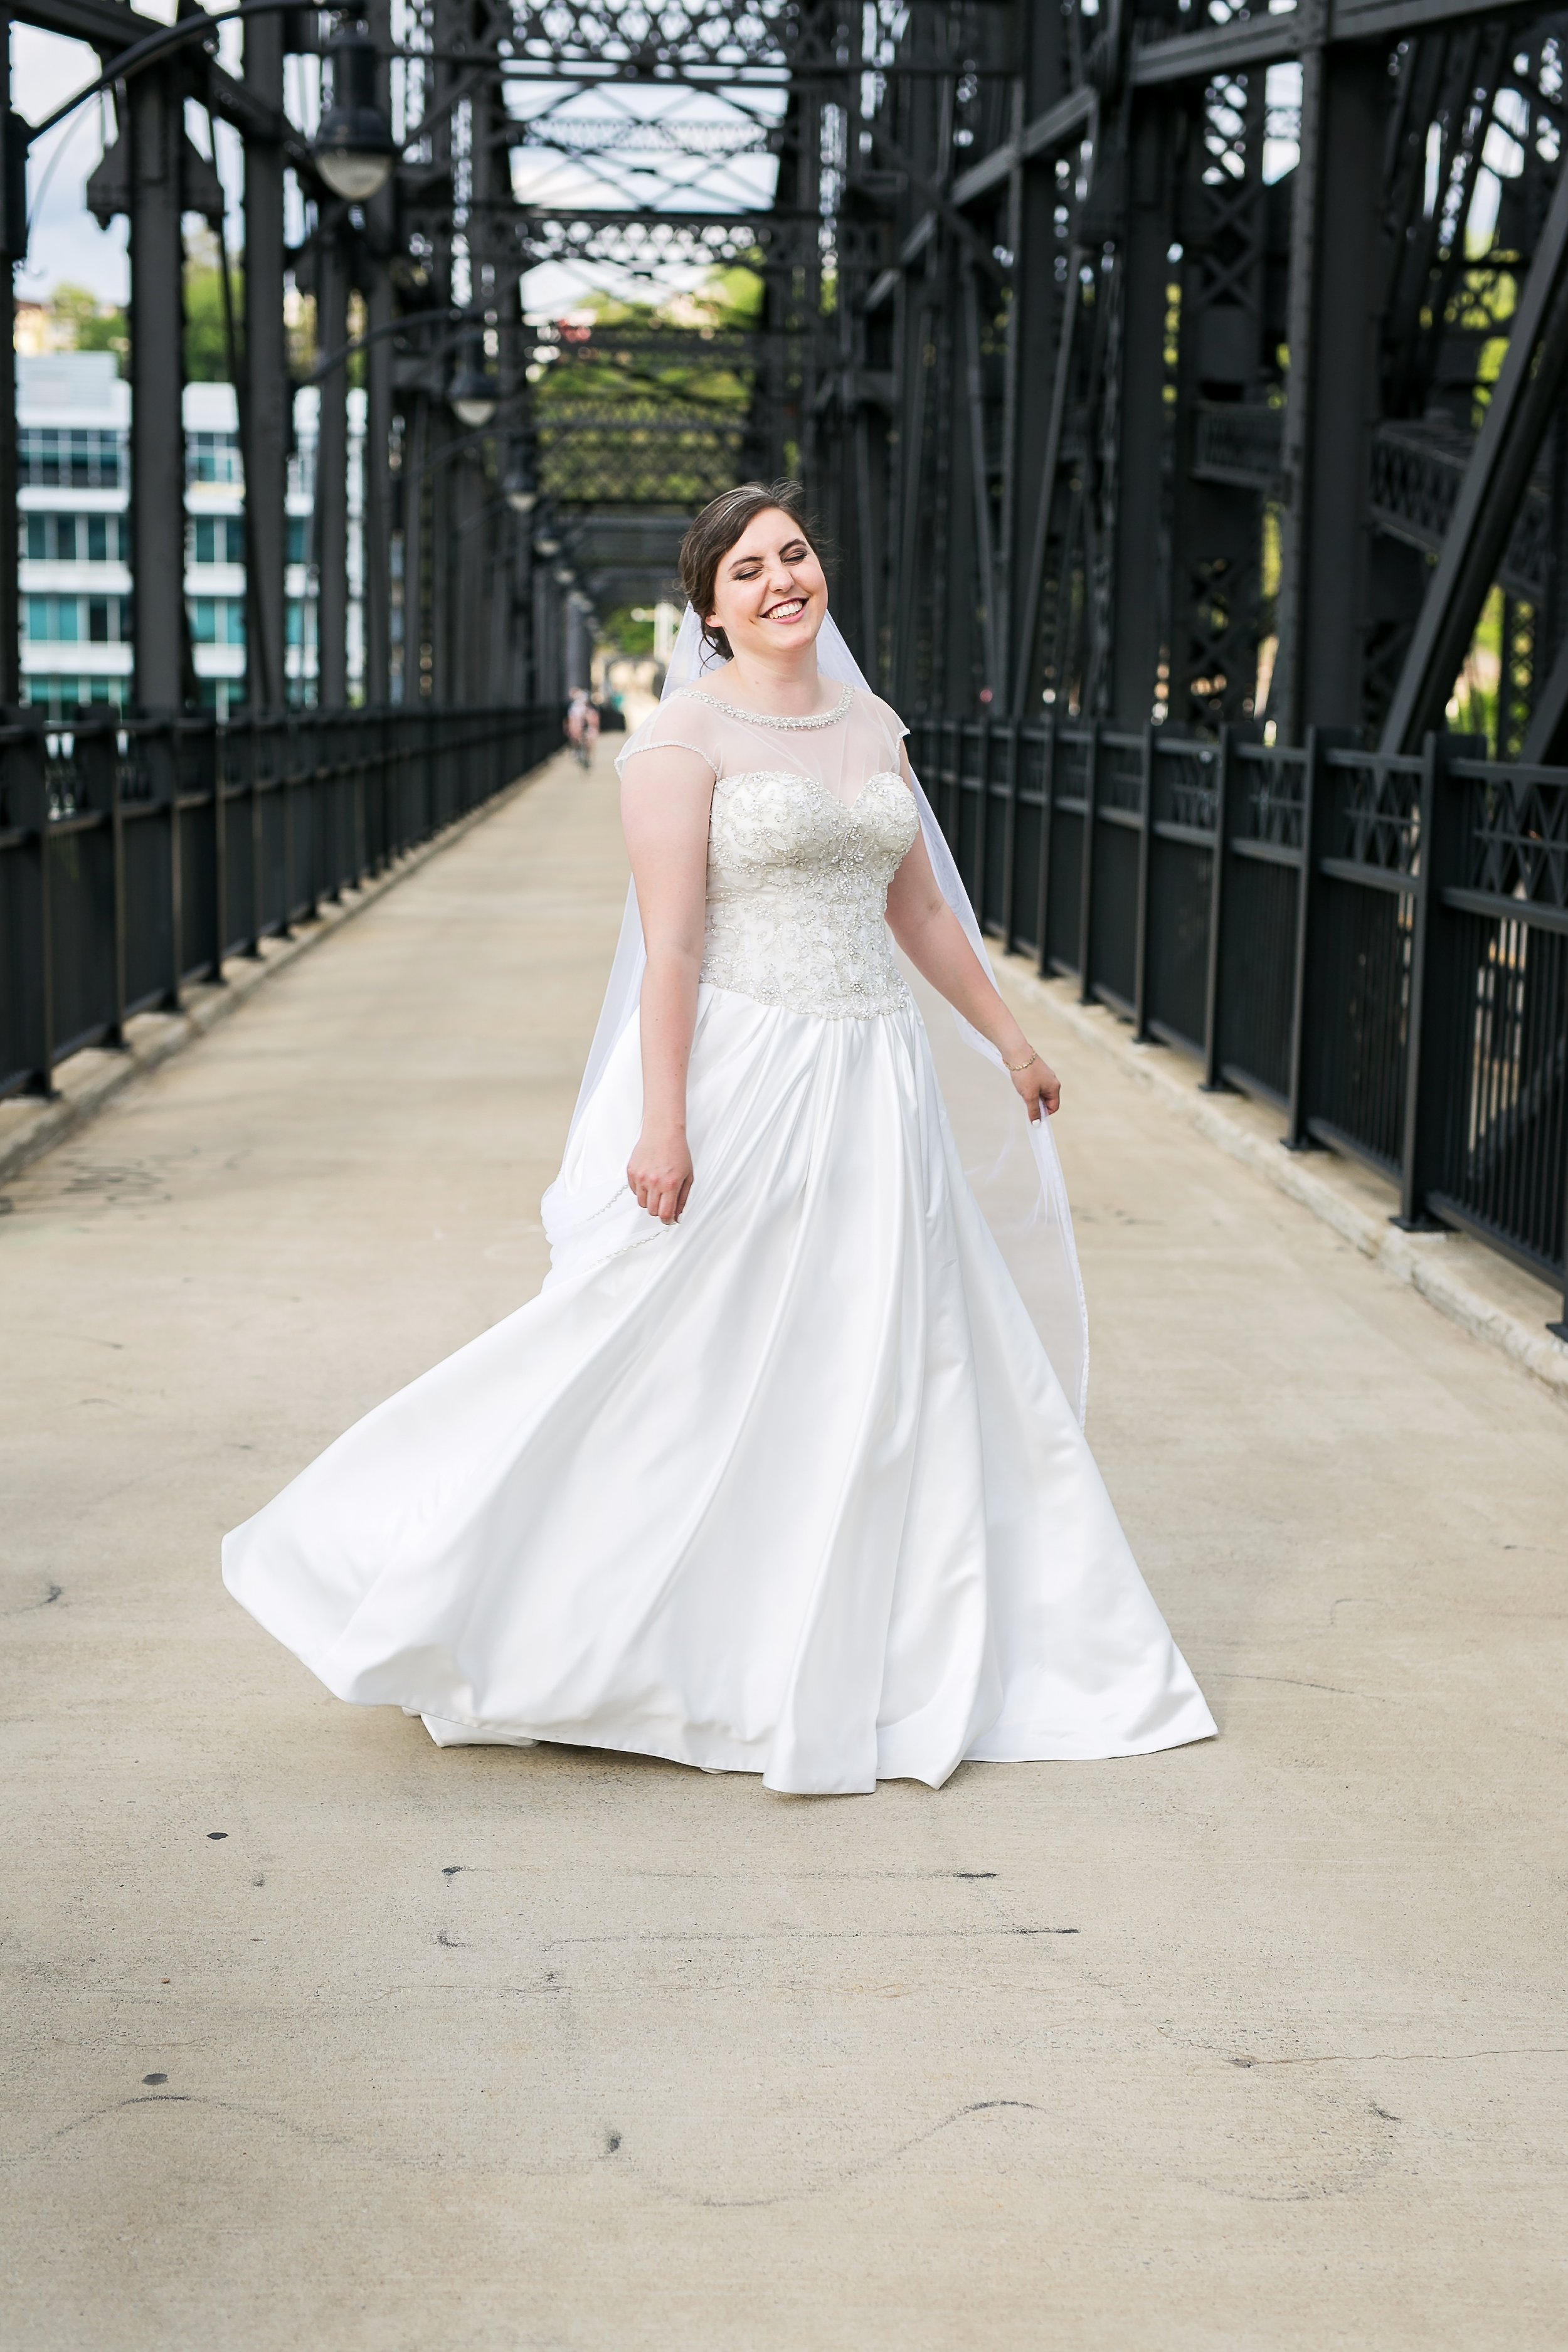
715	531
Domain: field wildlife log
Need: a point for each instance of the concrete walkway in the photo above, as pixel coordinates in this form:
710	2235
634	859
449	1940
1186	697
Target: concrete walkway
320	2038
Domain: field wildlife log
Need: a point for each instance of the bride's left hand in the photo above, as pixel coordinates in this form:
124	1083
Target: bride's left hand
1040	1087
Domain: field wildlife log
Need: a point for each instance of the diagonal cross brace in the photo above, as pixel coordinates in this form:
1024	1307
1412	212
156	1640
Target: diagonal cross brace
1522	407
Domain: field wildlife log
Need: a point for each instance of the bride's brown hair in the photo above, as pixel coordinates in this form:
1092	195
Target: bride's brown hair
721	523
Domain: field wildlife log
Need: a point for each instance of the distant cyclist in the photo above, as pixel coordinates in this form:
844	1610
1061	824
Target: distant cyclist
581	726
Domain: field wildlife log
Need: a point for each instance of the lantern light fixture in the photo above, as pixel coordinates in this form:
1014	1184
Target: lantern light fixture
519	484
354	150
473	394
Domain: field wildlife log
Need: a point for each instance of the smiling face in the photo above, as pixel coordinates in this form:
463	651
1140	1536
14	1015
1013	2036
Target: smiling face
769	594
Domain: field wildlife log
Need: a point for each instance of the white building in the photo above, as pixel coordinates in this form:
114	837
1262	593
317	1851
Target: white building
74	425
214	544
73	417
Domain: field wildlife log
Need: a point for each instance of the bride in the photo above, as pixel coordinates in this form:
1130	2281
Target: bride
776	1475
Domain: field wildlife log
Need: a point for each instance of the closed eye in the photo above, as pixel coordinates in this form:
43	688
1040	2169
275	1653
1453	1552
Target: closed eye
749	566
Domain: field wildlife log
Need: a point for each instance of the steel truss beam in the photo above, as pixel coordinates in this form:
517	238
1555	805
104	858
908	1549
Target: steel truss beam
1251	448
1121	383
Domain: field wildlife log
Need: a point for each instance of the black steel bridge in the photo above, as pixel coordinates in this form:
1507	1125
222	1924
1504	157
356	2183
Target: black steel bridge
1183	389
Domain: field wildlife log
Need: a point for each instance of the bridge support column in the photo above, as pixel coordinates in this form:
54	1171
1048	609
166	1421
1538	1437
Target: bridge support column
1336	293
331	471
155	105
266	393
1137	614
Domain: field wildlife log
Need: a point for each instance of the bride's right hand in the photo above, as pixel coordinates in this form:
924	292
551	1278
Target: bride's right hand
660	1172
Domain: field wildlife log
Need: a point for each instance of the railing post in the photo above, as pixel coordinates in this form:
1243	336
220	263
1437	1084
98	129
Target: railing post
1224	818
97	784
1430	1075
313	730
288	786
1317	797
982	811
1085	866
1012	736
27	809
1145	875
196	740
217	768
257	734
1043	877
333	801
163	754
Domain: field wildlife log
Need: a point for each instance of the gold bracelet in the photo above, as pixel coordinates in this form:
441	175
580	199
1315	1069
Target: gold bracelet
1017	1066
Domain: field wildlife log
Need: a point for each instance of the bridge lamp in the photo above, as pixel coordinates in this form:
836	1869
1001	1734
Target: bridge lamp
520	485
546	547
472	393
354	149
565	575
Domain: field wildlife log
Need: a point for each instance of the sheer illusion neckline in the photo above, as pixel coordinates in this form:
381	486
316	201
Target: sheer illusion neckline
774	719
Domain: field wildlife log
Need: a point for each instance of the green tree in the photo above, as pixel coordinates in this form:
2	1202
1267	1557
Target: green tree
206	341
83	323
629	629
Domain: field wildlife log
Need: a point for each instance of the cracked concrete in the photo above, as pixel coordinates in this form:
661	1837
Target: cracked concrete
319	2036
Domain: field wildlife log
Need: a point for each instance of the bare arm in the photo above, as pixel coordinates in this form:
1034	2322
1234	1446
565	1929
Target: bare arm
933	938
665	800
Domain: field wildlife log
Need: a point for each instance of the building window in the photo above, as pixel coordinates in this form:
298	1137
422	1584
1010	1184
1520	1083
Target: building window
59	695
217	620
298	538
300	621
77	620
218	539
76	539
50	458
211	457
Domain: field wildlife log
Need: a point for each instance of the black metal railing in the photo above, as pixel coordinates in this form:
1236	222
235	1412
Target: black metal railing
1377	945
136	855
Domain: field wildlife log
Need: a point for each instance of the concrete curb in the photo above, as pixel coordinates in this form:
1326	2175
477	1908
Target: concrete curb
154	1039
1416	1259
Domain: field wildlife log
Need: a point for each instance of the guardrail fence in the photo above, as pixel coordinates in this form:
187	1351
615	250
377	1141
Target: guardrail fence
135	855
1378	945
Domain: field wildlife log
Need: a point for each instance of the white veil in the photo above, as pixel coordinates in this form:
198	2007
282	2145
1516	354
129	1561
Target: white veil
1025	1205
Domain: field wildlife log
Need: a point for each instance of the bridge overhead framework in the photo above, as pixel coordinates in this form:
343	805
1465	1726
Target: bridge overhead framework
1149	361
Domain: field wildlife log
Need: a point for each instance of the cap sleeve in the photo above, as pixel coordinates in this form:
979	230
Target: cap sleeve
889	720
678	724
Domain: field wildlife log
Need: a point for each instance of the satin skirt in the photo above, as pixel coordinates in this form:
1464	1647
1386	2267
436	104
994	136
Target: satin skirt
789	1487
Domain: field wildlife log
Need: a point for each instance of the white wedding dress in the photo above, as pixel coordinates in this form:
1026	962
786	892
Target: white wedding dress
789	1487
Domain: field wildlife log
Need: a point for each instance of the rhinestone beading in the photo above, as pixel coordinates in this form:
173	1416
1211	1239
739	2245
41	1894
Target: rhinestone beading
769	717
798	893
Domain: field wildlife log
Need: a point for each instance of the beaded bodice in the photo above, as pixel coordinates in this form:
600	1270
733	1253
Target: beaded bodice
797	892
810	820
